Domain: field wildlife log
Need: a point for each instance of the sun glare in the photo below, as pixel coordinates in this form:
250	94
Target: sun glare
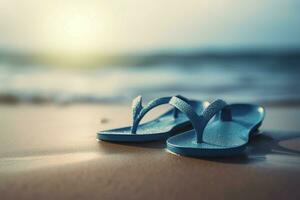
74	29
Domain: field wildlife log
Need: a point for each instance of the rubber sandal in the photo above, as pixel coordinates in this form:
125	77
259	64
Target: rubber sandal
168	124
221	130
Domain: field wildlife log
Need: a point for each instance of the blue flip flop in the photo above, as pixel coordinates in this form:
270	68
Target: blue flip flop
221	130
168	124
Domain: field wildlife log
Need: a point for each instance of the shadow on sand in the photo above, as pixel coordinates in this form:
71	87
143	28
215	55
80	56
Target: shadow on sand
129	147
261	145
267	143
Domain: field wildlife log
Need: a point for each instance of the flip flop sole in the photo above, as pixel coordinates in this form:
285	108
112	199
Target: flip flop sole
133	138
190	152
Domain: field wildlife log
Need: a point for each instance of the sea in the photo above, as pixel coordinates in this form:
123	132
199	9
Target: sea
257	76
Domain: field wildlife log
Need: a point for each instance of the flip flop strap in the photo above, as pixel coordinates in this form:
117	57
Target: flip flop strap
218	106
189	111
139	111
175	110
199	122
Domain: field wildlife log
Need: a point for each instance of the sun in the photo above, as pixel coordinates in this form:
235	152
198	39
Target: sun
75	32
74	29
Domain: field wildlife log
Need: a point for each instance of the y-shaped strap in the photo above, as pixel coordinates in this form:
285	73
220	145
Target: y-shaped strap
199	122
139	111
214	108
188	110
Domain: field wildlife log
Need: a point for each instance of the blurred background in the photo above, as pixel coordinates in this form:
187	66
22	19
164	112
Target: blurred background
76	51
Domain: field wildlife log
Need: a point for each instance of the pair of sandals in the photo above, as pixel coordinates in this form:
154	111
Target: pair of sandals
193	128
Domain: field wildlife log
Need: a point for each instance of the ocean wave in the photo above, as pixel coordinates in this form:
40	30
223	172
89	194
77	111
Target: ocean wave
263	80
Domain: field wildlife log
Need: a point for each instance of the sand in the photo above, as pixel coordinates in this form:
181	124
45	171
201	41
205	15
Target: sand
50	152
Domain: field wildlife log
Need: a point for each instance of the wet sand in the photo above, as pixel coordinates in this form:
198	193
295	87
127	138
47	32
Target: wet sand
50	152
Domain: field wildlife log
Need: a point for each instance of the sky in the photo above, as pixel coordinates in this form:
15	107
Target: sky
134	25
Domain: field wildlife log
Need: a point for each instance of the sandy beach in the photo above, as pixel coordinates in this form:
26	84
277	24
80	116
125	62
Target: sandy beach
53	154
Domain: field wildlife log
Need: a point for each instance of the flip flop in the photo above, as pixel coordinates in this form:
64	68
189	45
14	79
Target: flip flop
170	123
221	130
